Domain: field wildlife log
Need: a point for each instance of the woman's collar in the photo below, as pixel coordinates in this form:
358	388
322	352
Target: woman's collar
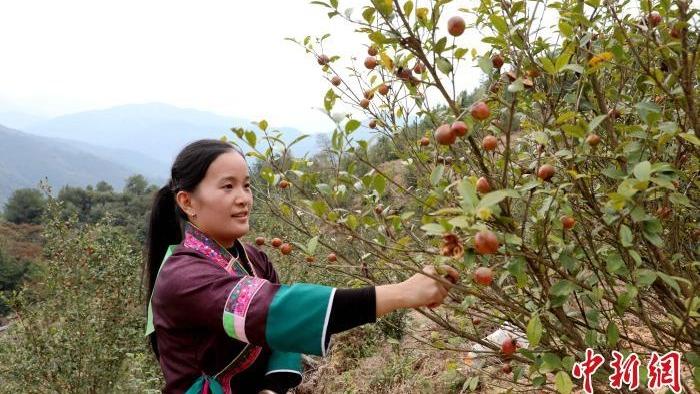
196	239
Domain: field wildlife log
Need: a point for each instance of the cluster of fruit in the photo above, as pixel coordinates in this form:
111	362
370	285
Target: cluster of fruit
286	248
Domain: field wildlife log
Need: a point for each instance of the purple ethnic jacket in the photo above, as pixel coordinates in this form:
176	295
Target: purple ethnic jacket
215	316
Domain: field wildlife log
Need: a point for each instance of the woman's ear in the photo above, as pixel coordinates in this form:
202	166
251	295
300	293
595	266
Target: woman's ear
184	200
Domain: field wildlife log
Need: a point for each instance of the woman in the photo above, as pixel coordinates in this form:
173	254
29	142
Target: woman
218	319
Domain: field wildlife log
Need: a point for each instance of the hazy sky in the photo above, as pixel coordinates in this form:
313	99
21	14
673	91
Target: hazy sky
228	57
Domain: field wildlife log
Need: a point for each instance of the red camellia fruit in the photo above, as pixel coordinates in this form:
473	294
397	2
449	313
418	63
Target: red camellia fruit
444	135
404	74
676	32
545	172
506	368
371	62
364	103
323	60
383	89
332	257
425	141
276	242
379	209
372	51
593	139
460	128
568	222
482	185
489	143
483	276
654	18
418	68
260	241
497	61
456	25
286	249
336	80
310	259
508	347
373	124
476	321
369	94
485	242
283	184
480	110
533	73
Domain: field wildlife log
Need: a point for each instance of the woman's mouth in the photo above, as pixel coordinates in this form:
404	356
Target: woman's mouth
240	216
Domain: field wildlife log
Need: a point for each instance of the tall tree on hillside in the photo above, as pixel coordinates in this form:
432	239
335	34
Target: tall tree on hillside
25	206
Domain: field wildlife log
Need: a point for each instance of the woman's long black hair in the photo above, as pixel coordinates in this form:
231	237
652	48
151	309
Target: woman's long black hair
167	219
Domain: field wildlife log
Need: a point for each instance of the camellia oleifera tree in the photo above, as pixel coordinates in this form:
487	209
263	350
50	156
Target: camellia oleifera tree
566	193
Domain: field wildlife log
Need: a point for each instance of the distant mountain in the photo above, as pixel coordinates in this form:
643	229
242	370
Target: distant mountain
25	159
134	161
19	120
156	130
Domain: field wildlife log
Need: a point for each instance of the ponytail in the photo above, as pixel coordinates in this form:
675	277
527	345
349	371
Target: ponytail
164	230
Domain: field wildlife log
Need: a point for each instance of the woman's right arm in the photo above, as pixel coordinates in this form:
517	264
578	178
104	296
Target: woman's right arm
297	318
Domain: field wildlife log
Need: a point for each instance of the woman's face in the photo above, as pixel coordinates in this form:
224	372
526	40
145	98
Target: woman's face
222	201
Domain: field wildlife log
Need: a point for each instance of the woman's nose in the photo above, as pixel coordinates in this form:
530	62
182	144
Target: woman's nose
242	198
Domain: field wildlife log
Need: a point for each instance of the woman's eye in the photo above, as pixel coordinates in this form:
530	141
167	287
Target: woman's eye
247	185
228	186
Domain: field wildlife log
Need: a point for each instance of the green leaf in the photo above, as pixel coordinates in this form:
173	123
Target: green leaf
534	330
485	64
368	15
329	100
563	383
499	23
648	111
385	7
565	28
642	170
433	229
262	125
352	222
692	138
562	60
670	280
547	65
323	188
440	45
468	192
577	68
626	236
595	122
352	125
407	8
613	334
311	245
301	137
574	130
319	207
516	86
436	175
562	288
379	183
492	198
460	52
444	65
680	199
251	138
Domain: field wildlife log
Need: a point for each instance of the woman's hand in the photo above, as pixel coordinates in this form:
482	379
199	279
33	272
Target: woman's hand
418	290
